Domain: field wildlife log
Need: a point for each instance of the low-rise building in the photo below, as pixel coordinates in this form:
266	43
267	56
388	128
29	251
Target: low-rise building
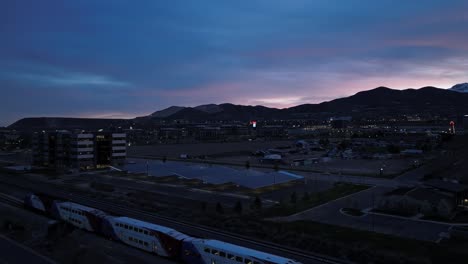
79	150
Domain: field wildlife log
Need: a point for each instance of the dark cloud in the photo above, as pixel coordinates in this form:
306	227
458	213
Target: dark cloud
124	58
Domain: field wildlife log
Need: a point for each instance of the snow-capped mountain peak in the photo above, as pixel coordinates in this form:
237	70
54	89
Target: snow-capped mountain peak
462	88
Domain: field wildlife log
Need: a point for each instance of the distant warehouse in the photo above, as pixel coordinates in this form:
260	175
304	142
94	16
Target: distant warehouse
79	150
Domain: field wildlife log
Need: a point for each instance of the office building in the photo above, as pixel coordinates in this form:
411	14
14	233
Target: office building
64	149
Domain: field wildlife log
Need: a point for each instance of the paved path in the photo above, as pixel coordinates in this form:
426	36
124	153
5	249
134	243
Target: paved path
11	252
329	213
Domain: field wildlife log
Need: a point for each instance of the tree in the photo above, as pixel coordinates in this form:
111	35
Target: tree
294	197
306	196
257	203
238	207
394	149
343	145
219	208
276	167
247	164
324	142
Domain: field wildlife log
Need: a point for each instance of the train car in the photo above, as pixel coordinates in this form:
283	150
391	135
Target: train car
39	202
81	216
161	240
208	251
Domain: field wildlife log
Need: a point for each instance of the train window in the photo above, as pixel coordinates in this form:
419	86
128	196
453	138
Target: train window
247	261
145	232
222	254
256	262
146	244
130	238
207	250
214	252
126	226
230	256
239	259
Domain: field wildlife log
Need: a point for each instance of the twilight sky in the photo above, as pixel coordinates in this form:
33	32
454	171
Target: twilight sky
121	58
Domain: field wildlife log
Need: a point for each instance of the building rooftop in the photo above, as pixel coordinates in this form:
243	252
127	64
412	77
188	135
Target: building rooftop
214	174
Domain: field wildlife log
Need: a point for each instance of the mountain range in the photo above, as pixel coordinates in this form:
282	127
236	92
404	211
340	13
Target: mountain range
462	87
381	102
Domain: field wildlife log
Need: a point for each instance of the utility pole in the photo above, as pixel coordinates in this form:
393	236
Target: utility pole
372	215
147	168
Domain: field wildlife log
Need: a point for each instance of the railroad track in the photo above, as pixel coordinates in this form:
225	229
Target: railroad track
7	199
71	194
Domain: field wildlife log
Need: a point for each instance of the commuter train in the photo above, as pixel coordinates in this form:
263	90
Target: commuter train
157	239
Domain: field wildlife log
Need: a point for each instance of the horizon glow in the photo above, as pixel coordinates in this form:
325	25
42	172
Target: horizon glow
118	59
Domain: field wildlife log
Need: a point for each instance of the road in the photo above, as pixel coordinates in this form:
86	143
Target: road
166	191
11	252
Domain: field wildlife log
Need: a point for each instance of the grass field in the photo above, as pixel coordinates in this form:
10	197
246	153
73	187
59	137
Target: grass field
299	204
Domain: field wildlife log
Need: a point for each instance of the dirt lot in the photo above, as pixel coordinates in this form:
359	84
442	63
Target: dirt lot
199	149
364	166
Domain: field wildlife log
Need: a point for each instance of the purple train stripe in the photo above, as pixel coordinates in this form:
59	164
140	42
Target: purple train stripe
107	229
190	253
95	219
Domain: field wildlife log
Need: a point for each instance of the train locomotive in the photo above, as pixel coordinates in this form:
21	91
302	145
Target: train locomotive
160	240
